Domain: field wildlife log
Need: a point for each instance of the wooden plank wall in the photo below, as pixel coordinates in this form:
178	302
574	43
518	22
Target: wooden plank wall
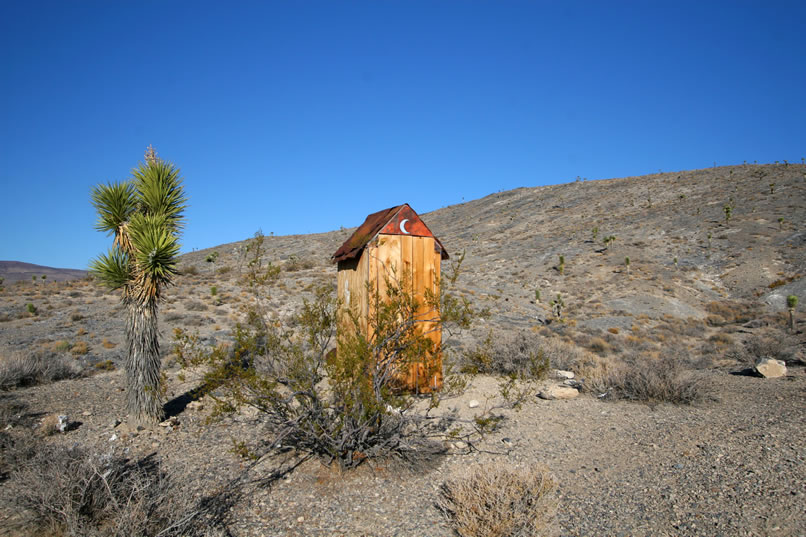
394	256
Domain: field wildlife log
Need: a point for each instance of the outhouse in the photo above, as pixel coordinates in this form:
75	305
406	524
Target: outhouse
392	244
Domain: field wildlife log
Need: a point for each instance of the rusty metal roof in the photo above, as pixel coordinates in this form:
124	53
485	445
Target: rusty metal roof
377	222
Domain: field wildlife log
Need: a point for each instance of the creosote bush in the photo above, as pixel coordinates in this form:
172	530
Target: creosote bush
500	501
338	399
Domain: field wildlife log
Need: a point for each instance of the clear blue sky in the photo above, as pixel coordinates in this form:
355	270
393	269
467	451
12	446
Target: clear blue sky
299	117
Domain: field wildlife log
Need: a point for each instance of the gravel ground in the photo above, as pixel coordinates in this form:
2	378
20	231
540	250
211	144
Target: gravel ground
731	465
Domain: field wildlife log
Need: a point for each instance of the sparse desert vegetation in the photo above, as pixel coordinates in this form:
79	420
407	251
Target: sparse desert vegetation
638	411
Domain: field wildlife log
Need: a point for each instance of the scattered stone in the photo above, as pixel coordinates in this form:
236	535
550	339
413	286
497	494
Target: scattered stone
63	423
195	405
113	437
116	422
771	368
473	403
86	413
300	519
170	423
558	392
459	445
563	374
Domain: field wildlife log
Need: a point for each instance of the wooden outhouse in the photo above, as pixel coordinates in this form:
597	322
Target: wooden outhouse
392	244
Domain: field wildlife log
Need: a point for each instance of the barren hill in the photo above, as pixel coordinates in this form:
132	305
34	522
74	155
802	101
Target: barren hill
14	271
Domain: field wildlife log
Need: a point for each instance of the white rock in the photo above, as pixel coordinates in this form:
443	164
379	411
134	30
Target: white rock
113	438
770	368
563	374
459	445
558	392
63	423
473	403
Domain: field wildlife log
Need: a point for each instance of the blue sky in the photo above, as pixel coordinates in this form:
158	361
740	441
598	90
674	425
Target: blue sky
300	117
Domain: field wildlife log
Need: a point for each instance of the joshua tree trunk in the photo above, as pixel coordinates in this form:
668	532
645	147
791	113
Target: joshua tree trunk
144	390
791	319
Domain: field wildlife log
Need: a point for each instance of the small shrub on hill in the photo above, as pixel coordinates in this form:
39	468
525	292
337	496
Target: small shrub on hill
18	369
73	492
499	501
654	380
507	354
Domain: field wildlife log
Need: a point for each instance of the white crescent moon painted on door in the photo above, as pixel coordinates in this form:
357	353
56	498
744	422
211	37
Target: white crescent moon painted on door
403	226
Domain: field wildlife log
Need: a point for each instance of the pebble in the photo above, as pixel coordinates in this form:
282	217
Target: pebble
473	403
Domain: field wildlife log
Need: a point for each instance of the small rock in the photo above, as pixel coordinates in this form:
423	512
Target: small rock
86	413
116	423
63	423
563	374
770	368
113	438
507	442
558	392
155	444
301	519
195	405
459	445
473	403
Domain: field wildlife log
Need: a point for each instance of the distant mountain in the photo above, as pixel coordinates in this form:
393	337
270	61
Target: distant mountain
14	271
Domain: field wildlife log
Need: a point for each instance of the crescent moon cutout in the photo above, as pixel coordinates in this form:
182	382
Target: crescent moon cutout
403	226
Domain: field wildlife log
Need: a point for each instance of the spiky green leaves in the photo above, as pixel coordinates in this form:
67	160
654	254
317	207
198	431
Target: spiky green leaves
154	248
159	192
115	203
112	268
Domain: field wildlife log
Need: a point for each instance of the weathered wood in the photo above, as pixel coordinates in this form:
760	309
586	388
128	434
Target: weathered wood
398	258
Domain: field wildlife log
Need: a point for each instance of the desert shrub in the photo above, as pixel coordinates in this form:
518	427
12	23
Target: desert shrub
18	369
173	316
731	311
73	492
226	269
61	346
721	339
190	270
75	316
599	346
79	348
344	406
295	264
564	355
770	344
516	354
195	305
211	258
106	365
500	501
654	380
31	309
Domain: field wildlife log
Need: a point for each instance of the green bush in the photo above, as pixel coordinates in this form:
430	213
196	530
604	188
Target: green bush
280	370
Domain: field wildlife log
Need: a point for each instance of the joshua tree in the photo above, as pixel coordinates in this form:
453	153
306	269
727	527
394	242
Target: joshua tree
791	303
728	212
627	264
561	266
145	216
